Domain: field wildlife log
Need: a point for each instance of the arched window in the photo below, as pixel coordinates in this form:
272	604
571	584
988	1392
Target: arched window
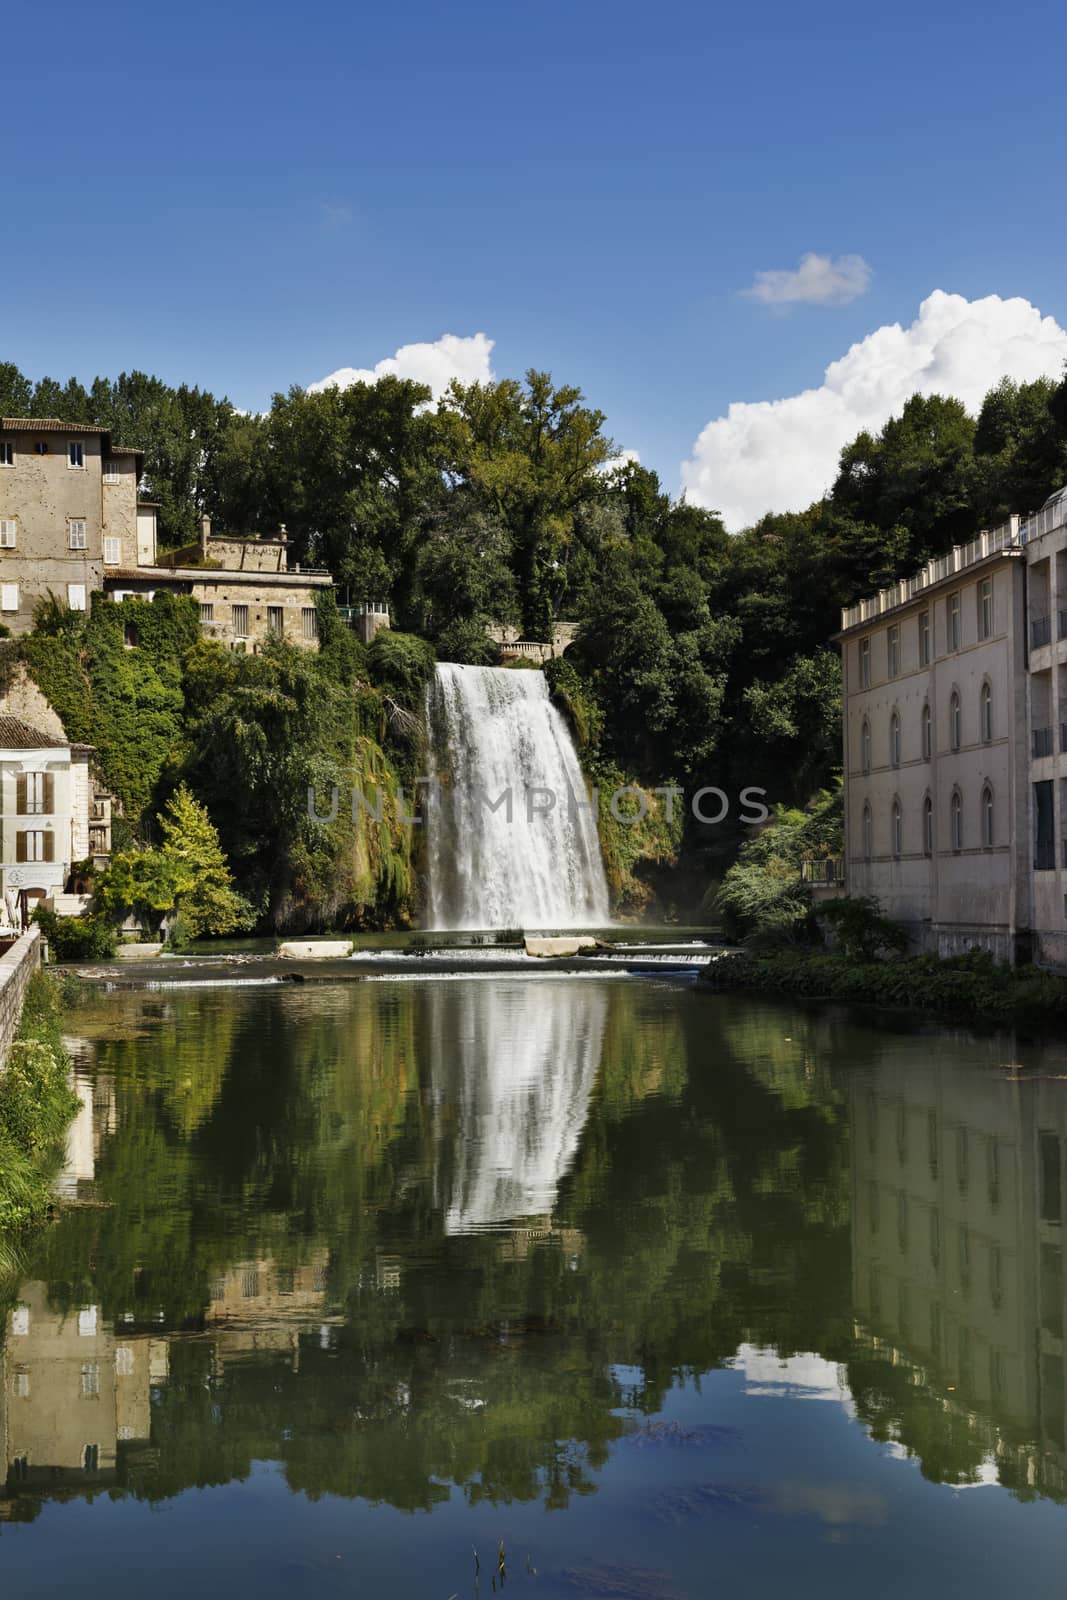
987	713
894	740
928	826
954	721
868	833
928	733
988	817
865	747
957	821
898	829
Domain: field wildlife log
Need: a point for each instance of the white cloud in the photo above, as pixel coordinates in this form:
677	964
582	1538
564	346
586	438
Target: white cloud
780	455
451	356
817	281
623	459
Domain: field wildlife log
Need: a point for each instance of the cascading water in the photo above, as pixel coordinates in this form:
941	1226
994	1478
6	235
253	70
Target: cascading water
527	864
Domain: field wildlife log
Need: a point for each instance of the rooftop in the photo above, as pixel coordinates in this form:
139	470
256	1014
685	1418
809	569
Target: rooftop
46	425
18	735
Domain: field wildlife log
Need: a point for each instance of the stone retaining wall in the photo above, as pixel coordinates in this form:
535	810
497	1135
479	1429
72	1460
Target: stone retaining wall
17	967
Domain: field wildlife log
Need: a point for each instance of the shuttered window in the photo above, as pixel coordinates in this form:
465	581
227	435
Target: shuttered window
240	622
36	794
112	551
275	619
9	596
9	531
77	533
35	845
310	619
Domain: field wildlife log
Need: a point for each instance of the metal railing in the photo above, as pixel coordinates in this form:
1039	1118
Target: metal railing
1042	742
1040	632
831	873
1045	855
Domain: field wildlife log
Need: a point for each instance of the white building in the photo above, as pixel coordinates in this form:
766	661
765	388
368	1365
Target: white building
45	799
955	744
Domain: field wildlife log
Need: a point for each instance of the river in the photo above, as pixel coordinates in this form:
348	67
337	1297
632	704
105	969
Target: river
362	1280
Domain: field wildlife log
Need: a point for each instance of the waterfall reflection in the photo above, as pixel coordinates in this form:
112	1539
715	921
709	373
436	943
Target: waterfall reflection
512	1071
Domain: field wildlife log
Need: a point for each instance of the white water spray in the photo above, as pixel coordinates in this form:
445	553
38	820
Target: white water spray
495	730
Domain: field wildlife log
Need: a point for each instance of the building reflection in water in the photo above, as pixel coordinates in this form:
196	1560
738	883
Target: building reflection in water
957	1247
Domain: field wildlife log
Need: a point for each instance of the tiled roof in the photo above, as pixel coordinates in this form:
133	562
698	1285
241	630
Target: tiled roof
18	735
125	450
45	425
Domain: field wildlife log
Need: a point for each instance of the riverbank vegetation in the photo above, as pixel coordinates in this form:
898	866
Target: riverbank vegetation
702	658
36	1105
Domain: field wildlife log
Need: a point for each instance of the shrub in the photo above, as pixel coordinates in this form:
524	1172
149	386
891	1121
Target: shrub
863	933
87	938
36	1104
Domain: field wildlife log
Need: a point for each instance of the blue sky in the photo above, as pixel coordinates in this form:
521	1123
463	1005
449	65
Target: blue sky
253	196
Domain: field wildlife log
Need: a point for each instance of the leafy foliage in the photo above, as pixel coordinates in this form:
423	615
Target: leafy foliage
761	897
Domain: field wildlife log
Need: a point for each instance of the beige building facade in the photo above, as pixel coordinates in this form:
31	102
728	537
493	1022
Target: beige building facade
72	523
955	734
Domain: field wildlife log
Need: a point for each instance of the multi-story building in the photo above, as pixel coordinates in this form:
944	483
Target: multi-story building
72	521
45	803
955	736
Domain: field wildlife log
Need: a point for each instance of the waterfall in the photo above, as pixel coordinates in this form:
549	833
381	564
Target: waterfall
512	1073
497	859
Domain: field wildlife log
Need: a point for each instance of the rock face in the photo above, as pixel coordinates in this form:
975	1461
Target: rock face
562	946
316	949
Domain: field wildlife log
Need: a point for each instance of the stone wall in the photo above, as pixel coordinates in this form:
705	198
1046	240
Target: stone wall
17	967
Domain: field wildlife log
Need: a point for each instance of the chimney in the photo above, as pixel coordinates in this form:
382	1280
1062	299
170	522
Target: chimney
205	533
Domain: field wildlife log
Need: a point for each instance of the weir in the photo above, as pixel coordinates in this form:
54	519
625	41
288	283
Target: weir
512	842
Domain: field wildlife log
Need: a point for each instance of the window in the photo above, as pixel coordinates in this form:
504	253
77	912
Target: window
20	1322
87	1322
275	619
893	650
207	612
20	1385
38	844
954	721
865	747
987	713
35	794
40	447
113	552
9	596
894	740
76	596
124	1361
928	732
924	638
865	663
91	1458
868	832
310	619
76	528
75	454
928	826
90	1378
957	821
7	453
9	531
954	621
985	609
131	636
987	817
898	829
111	472
240	622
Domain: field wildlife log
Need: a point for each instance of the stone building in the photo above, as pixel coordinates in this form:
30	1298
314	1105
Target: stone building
45	803
244	587
72	522
955	738
69	511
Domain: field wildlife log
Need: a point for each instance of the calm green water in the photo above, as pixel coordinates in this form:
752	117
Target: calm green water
670	1293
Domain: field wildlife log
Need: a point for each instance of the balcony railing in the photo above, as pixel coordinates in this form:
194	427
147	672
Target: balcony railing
1040	632
992	542
830	873
1042	742
1045	855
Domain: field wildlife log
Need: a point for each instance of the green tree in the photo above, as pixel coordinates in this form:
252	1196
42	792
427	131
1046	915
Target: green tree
190	841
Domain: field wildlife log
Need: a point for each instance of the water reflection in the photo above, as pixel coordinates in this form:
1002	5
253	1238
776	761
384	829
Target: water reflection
406	1238
511	1078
